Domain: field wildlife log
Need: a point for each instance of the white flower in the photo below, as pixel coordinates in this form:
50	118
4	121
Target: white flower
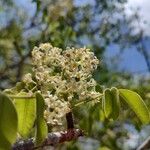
27	78
64	76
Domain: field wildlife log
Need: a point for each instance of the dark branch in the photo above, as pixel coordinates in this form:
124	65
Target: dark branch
70	121
51	140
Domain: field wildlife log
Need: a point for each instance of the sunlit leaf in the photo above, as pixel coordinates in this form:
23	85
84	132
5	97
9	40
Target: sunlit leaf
8	122
26	109
41	126
136	103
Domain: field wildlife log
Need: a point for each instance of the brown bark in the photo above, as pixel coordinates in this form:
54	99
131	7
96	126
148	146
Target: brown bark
51	140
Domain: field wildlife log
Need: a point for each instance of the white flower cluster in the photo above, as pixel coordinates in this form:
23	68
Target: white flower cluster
64	76
56	109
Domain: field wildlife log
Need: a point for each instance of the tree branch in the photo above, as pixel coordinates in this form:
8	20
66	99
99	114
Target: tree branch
51	140
145	145
70	121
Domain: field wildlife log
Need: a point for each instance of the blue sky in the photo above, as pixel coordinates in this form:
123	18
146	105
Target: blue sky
130	60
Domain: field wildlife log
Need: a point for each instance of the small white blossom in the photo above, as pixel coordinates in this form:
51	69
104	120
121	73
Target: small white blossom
27	78
64	76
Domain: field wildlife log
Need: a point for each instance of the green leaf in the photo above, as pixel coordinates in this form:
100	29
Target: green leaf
115	103
111	104
26	109
41	126
8	122
136	103
107	103
101	115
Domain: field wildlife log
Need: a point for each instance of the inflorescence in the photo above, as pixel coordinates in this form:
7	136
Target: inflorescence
63	76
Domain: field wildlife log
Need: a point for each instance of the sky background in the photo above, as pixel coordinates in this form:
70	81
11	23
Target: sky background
144	12
130	60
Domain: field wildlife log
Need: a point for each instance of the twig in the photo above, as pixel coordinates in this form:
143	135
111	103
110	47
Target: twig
145	145
51	140
70	121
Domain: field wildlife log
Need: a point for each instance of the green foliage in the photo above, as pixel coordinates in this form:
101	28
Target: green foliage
26	110
44	97
8	122
111	101
41	126
136	103
111	104
37	104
